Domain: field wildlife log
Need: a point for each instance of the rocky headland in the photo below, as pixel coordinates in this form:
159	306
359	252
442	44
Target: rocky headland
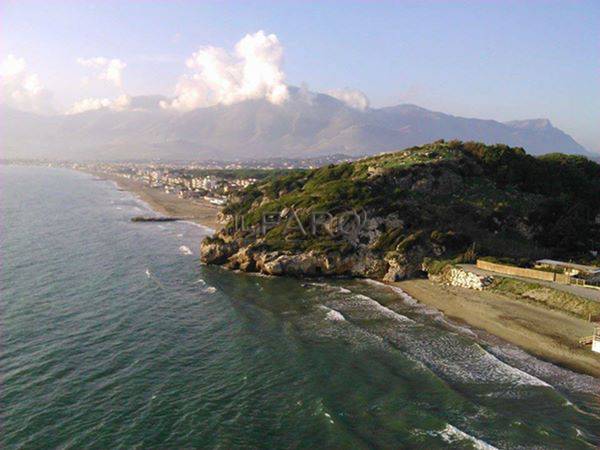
391	217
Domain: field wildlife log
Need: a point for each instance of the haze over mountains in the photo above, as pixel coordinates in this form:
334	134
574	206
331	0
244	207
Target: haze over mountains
307	124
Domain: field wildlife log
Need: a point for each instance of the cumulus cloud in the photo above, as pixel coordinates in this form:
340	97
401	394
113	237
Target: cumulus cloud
351	97
121	103
21	89
253	70
110	70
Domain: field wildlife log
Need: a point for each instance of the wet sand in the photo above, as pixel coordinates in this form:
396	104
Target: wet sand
198	211
548	334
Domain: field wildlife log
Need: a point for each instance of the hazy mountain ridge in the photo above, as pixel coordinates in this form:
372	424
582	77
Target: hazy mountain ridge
308	124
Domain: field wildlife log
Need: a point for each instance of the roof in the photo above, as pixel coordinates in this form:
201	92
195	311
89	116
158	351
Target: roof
581	267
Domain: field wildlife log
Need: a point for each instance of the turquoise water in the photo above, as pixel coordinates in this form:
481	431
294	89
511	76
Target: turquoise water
114	336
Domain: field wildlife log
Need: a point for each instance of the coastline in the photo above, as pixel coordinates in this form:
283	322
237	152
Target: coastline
548	334
200	212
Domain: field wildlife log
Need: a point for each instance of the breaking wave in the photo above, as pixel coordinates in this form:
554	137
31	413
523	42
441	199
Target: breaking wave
184	250
451	434
453	356
333	315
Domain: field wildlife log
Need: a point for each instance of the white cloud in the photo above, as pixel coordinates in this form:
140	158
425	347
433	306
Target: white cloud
121	103
252	71
21	89
110	70
89	104
351	97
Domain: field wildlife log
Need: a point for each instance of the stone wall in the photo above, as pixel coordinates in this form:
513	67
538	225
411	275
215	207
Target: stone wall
521	272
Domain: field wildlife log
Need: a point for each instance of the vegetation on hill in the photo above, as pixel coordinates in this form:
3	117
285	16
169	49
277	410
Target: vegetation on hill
552	298
442	200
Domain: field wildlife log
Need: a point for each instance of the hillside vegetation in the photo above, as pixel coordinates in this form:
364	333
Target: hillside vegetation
445	200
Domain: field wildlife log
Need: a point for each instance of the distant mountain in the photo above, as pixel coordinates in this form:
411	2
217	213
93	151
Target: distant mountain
307	125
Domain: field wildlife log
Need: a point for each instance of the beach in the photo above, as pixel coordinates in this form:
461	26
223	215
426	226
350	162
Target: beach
548	334
107	321
198	210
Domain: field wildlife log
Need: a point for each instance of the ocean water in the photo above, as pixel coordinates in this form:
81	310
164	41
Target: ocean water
114	336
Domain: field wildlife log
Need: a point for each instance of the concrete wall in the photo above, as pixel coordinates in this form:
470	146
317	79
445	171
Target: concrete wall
596	341
520	272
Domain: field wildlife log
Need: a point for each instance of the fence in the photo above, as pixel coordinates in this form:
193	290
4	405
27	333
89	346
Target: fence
586	283
526	273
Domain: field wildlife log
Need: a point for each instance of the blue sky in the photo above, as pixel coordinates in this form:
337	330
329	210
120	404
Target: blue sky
489	59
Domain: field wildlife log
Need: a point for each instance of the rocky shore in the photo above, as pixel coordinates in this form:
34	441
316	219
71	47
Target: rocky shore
387	217
242	251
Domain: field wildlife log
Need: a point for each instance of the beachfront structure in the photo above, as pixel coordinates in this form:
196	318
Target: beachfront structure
571	269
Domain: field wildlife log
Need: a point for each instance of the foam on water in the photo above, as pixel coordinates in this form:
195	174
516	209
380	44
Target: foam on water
555	375
384	310
330	287
184	250
405	297
332	314
255	274
451	434
424	309
452	356
205	228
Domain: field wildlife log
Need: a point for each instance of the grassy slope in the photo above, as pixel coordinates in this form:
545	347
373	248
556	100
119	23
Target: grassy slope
551	298
557	196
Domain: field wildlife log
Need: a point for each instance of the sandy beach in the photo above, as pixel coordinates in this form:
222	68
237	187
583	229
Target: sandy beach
198	211
548	334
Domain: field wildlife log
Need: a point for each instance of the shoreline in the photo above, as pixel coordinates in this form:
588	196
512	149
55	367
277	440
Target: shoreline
200	212
547	334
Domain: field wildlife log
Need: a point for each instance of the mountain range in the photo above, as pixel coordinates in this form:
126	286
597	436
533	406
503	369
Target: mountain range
307	125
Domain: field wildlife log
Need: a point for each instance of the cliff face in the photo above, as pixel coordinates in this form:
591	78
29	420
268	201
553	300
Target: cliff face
384	217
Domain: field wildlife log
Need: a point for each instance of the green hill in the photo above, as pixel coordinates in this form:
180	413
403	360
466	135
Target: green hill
387	214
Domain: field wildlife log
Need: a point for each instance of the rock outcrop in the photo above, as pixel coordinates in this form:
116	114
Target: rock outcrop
461	278
382	217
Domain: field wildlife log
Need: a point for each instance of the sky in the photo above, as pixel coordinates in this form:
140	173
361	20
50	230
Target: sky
492	59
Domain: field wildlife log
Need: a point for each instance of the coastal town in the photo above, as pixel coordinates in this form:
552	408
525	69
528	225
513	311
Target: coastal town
210	180
183	183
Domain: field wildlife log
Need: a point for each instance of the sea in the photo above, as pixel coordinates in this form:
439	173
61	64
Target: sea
114	335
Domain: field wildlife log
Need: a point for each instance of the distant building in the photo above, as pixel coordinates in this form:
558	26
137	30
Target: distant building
215	200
